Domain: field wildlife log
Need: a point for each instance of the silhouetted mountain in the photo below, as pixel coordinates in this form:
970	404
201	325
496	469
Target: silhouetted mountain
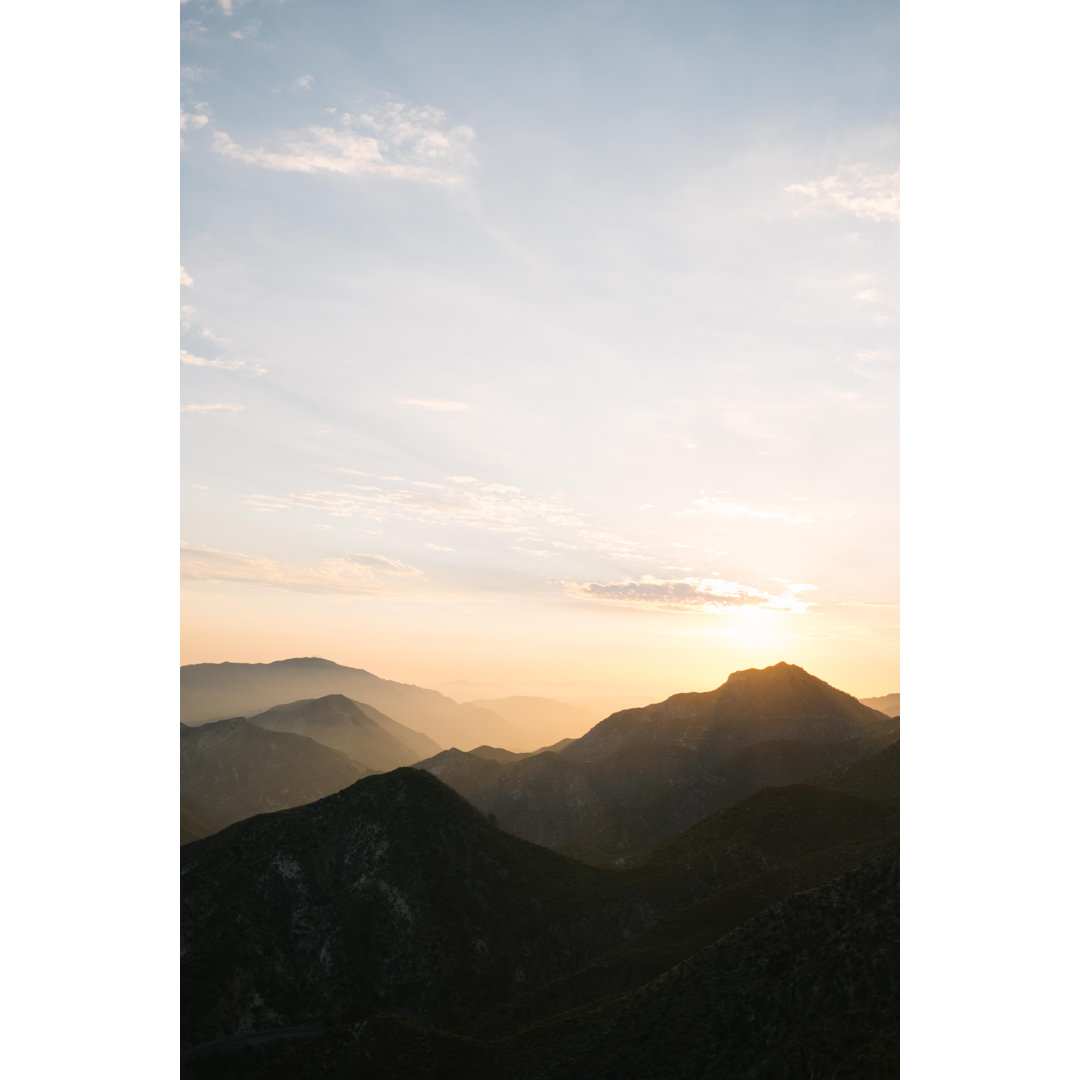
360	731
216	691
752	706
876	777
555	748
504	757
643	775
496	753
466	772
889	704
232	770
394	896
717	875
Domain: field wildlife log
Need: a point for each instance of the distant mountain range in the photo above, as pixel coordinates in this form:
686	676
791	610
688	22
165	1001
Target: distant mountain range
366	735
233	769
889	704
392	930
219	691
739	917
643	775
286	756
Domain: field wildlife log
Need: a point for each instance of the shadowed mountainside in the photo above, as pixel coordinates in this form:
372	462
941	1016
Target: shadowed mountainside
395	896
875	777
644	775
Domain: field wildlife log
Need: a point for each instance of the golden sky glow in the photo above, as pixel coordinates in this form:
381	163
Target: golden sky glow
554	353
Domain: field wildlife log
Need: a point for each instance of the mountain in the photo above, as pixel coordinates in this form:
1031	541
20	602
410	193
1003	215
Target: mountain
395	897
778	702
876	777
889	704
232	770
504	757
809	987
643	775
392	895
217	691
360	731
539	716
496	753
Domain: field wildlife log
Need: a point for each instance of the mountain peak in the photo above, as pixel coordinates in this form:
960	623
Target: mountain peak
781	667
309	662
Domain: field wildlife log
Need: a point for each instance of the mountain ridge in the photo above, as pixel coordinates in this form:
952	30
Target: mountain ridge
213	691
645	774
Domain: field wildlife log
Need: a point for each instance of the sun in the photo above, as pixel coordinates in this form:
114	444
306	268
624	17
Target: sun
753	624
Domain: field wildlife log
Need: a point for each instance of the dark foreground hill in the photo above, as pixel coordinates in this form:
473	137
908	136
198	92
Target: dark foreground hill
217	691
359	731
393	895
233	770
396	897
643	775
806	986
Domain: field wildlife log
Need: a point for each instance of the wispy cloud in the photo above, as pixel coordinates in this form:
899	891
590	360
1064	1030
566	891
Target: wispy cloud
304	82
343	574
193	121
461	500
235	364
185	277
857	189
214	406
434	405
724	508
702	596
393	139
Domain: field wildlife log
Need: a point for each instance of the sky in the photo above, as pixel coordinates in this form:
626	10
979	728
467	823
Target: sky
552	347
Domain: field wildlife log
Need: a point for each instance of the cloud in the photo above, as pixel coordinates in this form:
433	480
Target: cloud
185	277
190	75
304	82
856	189
394	139
212	407
463	501
874	364
193	121
434	405
722	507
348	574
390	567
702	596
225	365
